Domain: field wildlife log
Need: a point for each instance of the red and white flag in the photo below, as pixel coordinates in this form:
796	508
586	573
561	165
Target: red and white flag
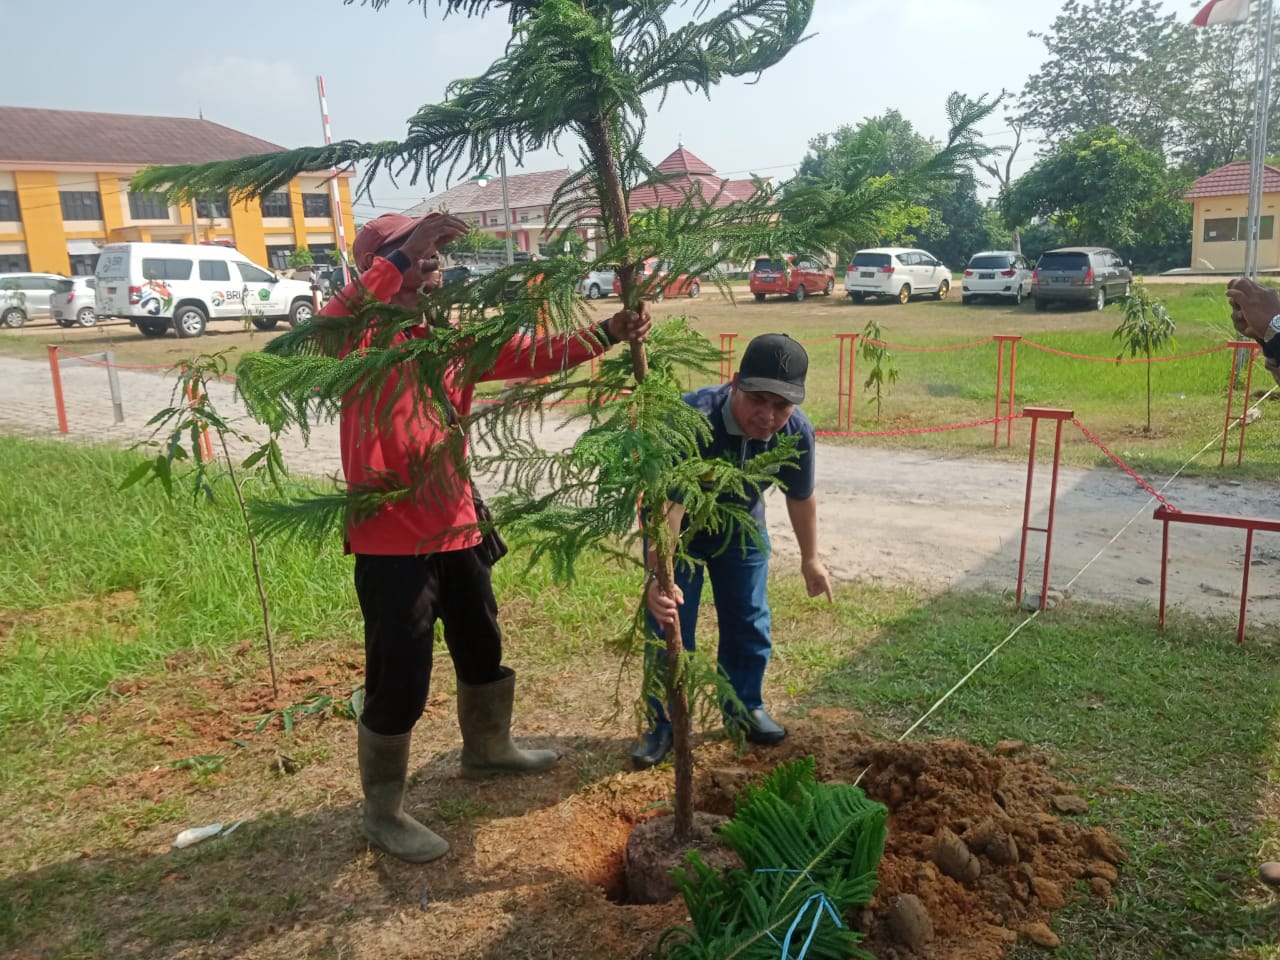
1221	11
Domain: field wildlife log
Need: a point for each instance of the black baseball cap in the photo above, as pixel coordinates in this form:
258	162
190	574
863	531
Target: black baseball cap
774	363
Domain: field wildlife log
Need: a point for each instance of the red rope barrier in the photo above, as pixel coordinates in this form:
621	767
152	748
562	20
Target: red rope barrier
915	430
954	346
1124	466
1082	356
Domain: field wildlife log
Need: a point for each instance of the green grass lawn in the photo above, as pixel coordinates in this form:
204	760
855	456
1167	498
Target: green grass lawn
1171	736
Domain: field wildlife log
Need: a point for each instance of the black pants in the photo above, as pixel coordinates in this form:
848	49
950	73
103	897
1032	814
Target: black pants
401	599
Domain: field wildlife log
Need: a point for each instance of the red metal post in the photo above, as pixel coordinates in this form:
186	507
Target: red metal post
1026	504
726	356
1253	348
1244	583
844	389
995	441
1013	388
58	403
1012	340
1164	572
1053	506
1037	414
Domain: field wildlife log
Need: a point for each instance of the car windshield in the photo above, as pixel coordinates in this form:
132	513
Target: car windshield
871	259
1064	261
765	263
990	262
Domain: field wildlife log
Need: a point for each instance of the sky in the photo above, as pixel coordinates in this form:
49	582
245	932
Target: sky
252	65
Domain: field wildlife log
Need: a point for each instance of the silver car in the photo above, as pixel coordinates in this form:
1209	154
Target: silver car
1004	274
73	302
25	296
597	284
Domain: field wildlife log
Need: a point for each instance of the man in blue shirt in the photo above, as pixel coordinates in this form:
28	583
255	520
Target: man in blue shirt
747	417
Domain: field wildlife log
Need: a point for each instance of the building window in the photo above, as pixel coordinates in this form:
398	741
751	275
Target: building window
315	205
213	208
276	205
9	206
83	264
14	263
148	206
80	204
278	257
163	268
321	251
1228	229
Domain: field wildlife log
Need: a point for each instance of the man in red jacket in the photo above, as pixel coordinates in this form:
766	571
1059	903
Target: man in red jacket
416	561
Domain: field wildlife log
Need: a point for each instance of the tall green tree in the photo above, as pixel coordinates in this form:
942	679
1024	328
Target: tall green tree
580	69
1129	64
1098	187
886	183
1119	63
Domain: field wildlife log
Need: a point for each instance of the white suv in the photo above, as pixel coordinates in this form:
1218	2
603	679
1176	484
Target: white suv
897	272
996	273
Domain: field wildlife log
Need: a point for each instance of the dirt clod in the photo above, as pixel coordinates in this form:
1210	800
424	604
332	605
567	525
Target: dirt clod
910	921
1050	893
1103	845
1069	803
1040	935
954	858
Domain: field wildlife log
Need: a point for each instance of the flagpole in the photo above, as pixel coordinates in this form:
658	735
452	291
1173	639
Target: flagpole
1258	155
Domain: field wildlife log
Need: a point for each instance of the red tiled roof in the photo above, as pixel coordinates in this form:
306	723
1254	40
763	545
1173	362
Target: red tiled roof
717	192
523	189
1232	181
682	161
74	136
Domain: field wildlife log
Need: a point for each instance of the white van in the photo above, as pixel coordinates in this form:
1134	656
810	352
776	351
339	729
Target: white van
183	285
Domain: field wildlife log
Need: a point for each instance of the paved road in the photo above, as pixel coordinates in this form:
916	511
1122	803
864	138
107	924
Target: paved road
896	516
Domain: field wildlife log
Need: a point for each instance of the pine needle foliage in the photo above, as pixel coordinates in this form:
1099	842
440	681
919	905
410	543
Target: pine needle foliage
811	852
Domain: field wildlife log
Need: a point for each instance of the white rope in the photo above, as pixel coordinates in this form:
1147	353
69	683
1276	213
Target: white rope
1018	629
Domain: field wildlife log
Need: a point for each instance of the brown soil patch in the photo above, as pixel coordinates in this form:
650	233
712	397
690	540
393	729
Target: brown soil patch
536	865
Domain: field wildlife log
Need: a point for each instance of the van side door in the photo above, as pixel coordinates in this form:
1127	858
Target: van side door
259	292
221	293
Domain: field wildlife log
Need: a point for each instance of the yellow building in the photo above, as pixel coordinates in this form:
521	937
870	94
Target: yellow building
64	191
1220	224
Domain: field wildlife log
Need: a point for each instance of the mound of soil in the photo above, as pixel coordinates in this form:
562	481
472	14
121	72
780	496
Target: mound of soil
982	848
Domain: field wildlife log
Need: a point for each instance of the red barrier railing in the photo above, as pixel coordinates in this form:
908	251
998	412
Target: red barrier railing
1167	515
844	383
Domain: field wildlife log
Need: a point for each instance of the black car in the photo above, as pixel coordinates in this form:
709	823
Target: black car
1090	275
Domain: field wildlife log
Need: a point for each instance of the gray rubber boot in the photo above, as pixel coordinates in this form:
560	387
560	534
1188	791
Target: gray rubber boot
384	768
484	715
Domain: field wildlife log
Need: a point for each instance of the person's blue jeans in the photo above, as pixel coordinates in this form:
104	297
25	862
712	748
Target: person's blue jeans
739	586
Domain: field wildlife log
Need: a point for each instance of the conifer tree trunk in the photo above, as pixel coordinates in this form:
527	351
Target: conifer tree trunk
617	222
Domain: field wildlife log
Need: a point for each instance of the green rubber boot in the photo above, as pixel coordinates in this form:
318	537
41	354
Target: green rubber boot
384	768
484	715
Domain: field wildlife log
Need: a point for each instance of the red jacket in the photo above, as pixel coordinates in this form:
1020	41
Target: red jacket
380	434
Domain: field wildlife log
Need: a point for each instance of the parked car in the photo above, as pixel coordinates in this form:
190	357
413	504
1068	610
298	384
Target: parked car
156	286
458	273
26	296
996	273
597	283
1090	275
898	272
789	276
73	302
653	273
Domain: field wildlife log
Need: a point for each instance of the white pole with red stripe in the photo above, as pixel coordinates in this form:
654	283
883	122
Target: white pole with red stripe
335	200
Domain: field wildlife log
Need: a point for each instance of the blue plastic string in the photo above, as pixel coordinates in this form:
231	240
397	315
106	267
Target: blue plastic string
823	903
